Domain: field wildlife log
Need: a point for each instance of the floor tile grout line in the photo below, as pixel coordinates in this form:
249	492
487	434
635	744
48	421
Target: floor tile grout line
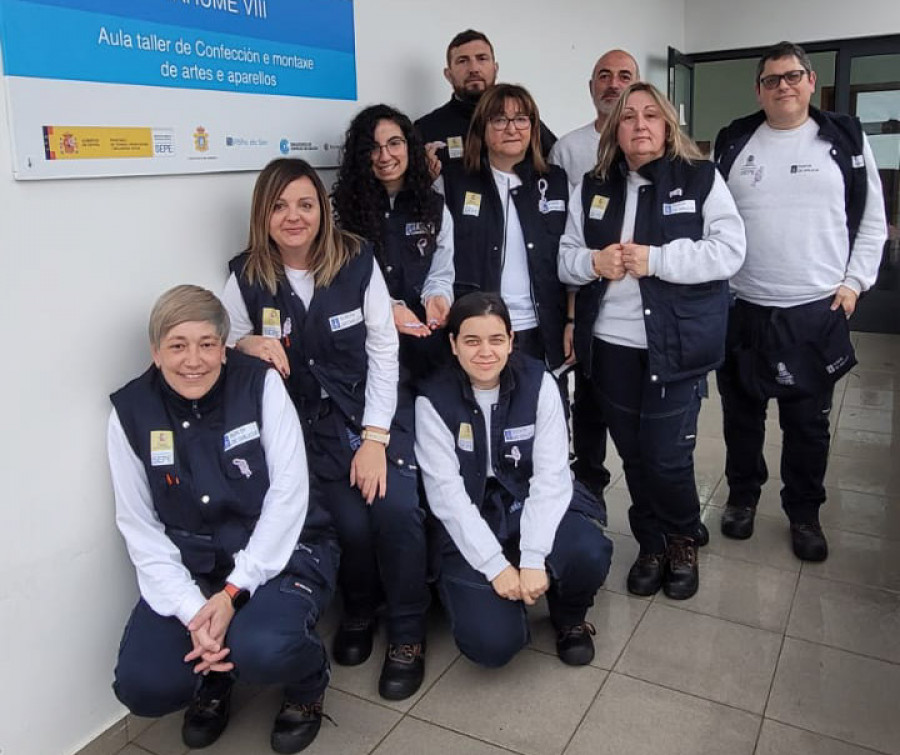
694	695
587	710
829	737
467	735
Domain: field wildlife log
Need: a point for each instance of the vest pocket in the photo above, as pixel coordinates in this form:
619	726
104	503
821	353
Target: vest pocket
699	337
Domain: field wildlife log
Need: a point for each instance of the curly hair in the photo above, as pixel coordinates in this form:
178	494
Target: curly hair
359	200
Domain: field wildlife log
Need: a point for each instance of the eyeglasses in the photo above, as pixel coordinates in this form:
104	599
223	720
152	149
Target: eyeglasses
774	80
394	147
500	122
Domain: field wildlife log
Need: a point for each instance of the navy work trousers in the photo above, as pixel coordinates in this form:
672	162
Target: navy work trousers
804	404
490	630
654	427
273	640
383	552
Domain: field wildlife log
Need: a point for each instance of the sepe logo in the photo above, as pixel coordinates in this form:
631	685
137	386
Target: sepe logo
163	144
201	139
284	146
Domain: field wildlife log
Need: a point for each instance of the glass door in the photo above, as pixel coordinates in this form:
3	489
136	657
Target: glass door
681	88
874	97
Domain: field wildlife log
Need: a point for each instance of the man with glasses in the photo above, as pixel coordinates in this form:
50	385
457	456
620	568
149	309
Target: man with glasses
471	70
806	184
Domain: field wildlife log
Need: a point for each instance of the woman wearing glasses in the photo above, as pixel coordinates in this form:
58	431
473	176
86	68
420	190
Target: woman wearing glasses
309	298
384	194
652	238
509	211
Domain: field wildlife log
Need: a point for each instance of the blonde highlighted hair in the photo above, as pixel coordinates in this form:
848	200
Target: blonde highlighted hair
678	144
331	249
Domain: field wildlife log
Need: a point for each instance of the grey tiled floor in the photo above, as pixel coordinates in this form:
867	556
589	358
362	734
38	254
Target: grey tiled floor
771	657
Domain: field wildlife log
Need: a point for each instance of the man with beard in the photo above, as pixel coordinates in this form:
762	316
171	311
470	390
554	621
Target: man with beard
576	152
471	69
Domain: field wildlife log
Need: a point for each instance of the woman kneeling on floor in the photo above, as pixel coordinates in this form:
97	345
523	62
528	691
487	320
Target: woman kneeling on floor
492	444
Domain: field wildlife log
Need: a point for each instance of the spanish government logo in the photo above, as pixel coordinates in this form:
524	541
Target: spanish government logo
68	144
201	139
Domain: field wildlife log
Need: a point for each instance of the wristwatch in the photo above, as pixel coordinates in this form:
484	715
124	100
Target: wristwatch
239	596
383	438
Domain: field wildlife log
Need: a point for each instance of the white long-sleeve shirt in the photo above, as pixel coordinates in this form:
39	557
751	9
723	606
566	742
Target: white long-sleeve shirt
550	487
790	193
716	256
382	343
164	582
576	152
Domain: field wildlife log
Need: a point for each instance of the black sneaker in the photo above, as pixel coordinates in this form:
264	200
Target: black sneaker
574	645
682	575
403	671
297	725
809	542
646	574
353	641
207	715
737	521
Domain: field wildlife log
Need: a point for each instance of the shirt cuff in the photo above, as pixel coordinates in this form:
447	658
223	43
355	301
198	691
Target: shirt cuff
532	560
494	566
853	284
653	260
190	605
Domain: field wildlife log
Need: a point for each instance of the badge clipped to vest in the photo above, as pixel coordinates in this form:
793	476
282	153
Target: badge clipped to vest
162	448
240	435
455	147
472	204
679	208
465	439
598	207
271	322
345	320
551	205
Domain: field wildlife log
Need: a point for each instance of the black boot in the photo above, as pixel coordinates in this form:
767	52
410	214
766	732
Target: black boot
737	521
646	574
207	715
353	641
809	542
403	670
296	725
682	576
574	645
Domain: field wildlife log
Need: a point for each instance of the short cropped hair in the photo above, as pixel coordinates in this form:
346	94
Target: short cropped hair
477	304
187	304
464	37
783	50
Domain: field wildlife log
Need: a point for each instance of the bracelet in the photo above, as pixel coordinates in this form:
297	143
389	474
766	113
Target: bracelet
383	438
570	320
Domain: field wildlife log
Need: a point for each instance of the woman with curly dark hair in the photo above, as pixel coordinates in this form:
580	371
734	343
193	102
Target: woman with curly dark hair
384	194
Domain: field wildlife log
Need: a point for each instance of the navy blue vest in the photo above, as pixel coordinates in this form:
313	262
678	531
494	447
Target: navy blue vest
685	323
408	249
479	239
326	348
846	136
204	461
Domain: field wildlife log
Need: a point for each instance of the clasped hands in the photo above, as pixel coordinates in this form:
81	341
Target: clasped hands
208	629
616	260
526	585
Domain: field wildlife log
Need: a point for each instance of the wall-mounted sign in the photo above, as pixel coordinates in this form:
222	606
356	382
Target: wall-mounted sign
105	87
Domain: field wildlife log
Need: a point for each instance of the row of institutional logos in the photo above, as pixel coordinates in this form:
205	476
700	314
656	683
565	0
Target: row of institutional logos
106	142
203	141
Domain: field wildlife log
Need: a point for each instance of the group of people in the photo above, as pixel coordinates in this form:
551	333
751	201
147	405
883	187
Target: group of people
378	400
